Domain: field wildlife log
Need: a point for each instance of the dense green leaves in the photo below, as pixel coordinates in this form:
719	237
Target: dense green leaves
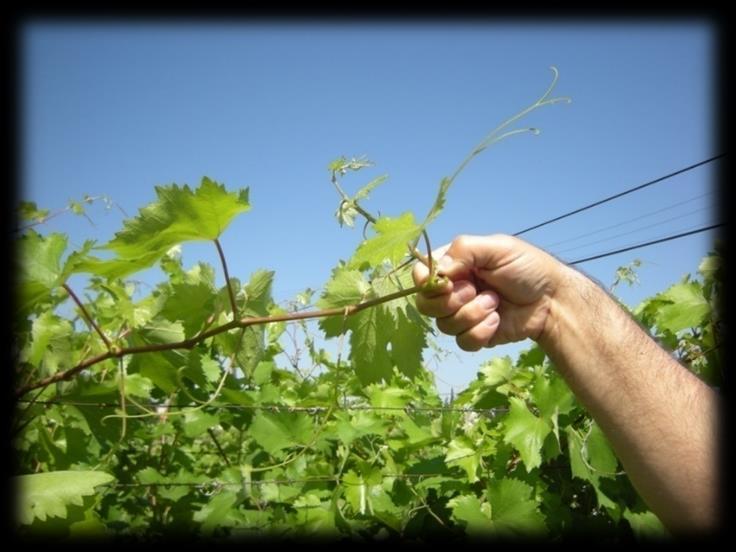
260	430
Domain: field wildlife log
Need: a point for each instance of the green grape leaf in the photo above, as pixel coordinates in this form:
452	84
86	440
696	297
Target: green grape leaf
552	396
439	202
371	334
468	510
416	435
496	371
357	491
178	215
252	348
581	464
389	243
534	356
262	373
136	385
44	495
39	267
373	329
189	304
366	190
150	476
193	369
50	341
688	307
258	292
41	257
114	267
513	510
157	368
645	525
218	511
280	430
159	330
387	397
211	369
407	343
349	428
577	465
526	433
461	452
196	422
599	453
347	287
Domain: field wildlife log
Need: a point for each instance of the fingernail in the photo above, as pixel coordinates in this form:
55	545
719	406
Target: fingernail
487	301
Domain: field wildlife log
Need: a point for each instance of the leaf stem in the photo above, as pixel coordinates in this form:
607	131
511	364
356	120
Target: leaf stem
370	218
432	268
227	279
87	317
217	444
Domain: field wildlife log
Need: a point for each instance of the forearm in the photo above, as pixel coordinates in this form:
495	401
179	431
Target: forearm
660	418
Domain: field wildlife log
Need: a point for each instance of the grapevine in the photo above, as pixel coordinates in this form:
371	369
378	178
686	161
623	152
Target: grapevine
184	410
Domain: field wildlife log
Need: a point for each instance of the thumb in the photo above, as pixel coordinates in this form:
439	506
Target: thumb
474	255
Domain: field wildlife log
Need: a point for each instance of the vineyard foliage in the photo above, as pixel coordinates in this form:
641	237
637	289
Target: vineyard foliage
209	409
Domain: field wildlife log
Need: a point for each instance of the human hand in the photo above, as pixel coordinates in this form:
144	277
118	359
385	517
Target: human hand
499	289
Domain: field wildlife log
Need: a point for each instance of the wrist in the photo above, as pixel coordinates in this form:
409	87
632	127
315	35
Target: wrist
569	310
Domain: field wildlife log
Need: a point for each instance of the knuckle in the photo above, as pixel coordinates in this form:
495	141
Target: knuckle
505	241
462	242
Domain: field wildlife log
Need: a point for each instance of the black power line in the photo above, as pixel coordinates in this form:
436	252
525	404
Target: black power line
638	246
620	194
625	222
634	231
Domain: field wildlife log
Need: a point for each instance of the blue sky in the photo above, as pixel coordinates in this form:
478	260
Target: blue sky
117	108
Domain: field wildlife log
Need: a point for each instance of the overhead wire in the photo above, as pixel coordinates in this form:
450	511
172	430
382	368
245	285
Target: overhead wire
620	194
625	222
629	232
646	244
